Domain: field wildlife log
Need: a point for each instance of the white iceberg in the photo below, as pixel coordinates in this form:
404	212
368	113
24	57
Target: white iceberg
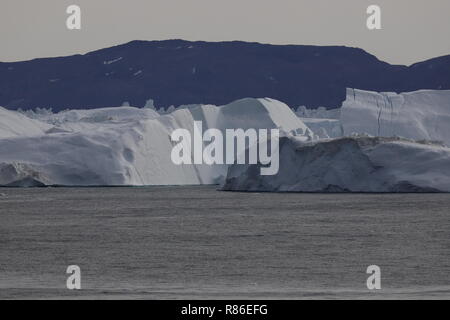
352	164
418	115
15	124
123	145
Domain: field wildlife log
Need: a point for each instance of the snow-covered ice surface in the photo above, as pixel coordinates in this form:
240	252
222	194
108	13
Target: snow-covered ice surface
123	145
132	146
15	124
419	115
319	113
324	128
351	164
404	161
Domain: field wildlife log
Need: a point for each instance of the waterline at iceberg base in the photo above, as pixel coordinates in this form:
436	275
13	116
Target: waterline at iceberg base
350	164
124	146
376	142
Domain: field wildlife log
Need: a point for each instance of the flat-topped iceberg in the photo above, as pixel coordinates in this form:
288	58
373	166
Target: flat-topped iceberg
418	115
393	143
351	164
123	145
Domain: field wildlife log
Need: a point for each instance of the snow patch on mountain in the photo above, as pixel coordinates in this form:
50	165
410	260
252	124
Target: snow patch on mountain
113	60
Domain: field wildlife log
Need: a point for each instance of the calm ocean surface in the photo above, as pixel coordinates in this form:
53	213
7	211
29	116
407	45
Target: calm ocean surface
199	243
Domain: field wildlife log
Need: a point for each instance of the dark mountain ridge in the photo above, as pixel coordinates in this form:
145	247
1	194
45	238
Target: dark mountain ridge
175	72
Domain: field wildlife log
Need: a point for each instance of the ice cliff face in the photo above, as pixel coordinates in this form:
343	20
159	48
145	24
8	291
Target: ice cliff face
123	146
352	164
419	115
132	146
380	153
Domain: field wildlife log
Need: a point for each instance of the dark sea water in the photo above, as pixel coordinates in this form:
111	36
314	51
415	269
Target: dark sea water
196	242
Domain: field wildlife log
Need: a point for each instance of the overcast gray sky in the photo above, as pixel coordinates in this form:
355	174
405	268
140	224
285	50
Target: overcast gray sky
413	30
